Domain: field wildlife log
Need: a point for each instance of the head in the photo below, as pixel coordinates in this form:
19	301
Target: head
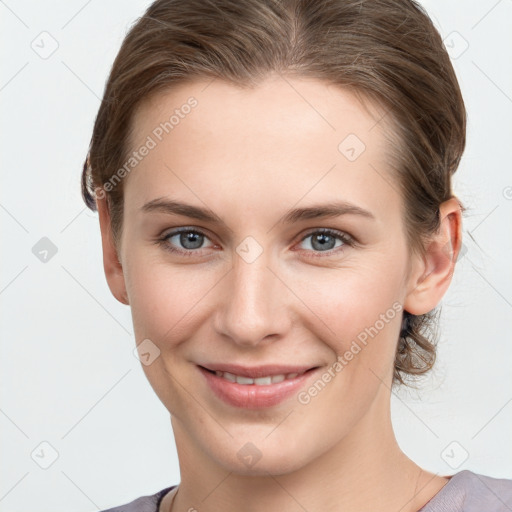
250	110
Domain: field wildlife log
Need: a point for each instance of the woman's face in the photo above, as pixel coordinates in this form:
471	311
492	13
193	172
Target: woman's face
255	282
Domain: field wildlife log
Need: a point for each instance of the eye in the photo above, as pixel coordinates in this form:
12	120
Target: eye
186	241
324	240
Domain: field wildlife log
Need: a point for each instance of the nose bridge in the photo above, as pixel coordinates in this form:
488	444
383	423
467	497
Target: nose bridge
253	308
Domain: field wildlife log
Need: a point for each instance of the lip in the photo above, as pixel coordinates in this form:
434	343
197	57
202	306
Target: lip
252	396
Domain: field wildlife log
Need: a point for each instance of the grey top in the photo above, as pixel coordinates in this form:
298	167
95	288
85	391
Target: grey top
465	492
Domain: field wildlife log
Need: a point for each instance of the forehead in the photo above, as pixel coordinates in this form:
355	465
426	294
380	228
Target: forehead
285	140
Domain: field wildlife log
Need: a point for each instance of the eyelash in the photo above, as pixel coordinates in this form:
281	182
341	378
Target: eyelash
344	237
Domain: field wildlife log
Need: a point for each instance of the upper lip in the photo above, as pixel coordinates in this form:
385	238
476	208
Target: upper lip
254	372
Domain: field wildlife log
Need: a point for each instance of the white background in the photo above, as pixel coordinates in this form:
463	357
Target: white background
68	374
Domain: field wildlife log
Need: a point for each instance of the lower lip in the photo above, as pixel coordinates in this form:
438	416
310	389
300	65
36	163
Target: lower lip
252	396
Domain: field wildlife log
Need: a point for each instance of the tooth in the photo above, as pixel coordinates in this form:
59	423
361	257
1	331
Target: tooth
260	381
244	380
263	381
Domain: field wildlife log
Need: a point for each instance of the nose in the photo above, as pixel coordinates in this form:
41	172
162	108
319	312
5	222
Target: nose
253	309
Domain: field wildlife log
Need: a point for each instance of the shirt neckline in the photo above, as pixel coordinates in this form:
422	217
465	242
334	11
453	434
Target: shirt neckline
432	501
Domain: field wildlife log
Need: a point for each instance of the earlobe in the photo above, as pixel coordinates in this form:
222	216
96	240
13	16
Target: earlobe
111	263
433	274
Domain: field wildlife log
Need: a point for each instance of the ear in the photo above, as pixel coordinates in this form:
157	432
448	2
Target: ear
432	274
111	263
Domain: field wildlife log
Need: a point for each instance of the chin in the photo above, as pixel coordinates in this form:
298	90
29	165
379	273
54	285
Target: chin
275	464
260	457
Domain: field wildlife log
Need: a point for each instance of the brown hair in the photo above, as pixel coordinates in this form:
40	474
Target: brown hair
387	51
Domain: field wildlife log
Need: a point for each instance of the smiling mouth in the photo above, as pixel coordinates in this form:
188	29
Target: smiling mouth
265	380
256	387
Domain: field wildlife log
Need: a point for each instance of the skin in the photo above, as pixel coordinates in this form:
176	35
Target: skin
250	155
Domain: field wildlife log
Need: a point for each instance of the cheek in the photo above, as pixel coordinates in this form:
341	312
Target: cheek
358	311
362	310
165	302
164	298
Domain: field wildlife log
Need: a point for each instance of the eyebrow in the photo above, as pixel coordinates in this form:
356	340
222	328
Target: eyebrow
327	210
